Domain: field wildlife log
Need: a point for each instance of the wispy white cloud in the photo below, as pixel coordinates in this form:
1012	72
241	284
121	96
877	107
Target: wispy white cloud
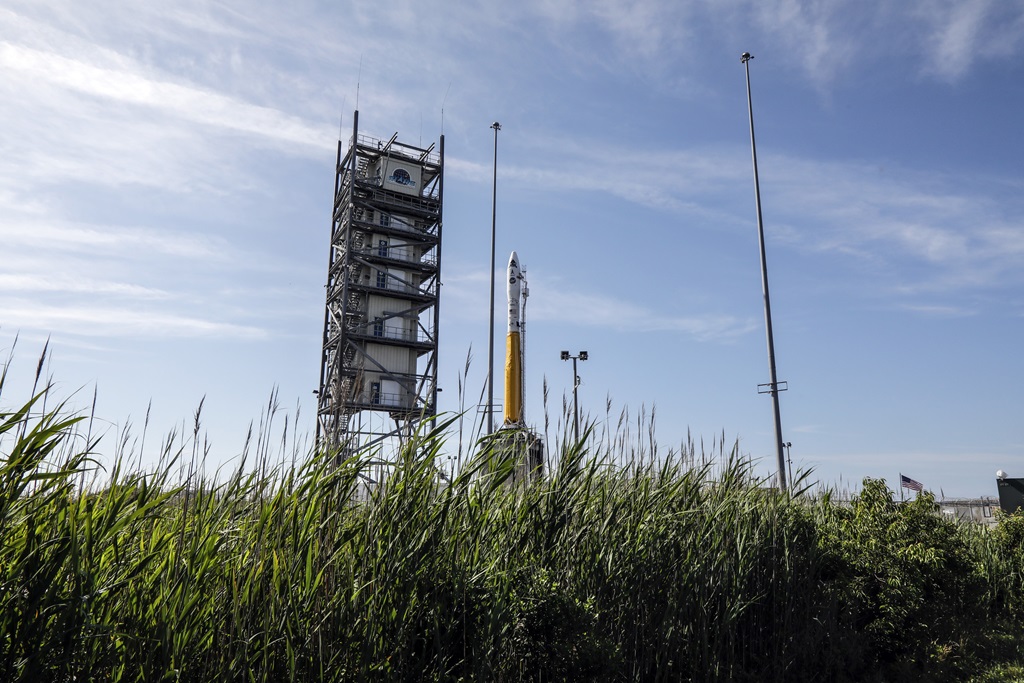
956	34
644	30
118	281
956	29
50	235
826	40
94	121
960	232
27	282
222	46
817	34
605	311
467	291
940	311
805	429
109	88
677	181
117	321
94	102
963	230
132	87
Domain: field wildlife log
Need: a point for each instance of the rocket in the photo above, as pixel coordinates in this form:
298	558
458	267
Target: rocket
513	345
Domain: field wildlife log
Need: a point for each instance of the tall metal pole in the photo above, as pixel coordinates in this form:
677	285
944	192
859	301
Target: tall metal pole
490	332
789	460
774	386
582	355
575	403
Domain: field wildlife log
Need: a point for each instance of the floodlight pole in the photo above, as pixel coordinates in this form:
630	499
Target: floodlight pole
582	355
774	385
575	400
490	332
789	460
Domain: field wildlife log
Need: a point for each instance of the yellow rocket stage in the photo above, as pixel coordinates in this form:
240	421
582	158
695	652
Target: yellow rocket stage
513	380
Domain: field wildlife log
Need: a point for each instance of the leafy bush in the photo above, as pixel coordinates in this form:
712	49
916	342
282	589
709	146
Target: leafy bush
1008	576
905	579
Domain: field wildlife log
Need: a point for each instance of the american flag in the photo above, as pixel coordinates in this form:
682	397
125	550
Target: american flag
908	483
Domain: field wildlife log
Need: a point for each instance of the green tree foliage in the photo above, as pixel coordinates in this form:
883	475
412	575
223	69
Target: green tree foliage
908	582
1008	574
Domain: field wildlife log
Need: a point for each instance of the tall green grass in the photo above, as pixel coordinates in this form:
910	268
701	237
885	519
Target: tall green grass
653	567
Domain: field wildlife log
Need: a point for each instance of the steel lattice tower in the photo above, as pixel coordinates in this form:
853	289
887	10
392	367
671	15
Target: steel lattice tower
383	282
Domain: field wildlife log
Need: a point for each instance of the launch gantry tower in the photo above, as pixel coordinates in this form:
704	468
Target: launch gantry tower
378	375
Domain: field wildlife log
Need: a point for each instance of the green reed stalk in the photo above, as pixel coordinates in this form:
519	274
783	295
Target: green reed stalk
621	563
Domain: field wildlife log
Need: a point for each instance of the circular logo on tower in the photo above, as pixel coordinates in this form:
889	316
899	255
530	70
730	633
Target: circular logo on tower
401	177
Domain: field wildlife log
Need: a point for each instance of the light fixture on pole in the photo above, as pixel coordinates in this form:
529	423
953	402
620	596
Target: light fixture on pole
772	387
582	355
490	330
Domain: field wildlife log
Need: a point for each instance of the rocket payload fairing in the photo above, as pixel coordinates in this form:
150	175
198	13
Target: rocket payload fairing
513	345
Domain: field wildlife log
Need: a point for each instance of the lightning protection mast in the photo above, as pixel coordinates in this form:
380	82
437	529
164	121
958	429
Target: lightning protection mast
378	373
773	387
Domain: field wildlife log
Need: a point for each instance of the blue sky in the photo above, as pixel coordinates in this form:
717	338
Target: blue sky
166	173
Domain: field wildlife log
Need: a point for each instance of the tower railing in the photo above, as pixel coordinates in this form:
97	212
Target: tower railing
394	333
404	254
401	150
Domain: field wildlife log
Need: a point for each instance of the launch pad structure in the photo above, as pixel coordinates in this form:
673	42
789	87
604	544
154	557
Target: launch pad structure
378	375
